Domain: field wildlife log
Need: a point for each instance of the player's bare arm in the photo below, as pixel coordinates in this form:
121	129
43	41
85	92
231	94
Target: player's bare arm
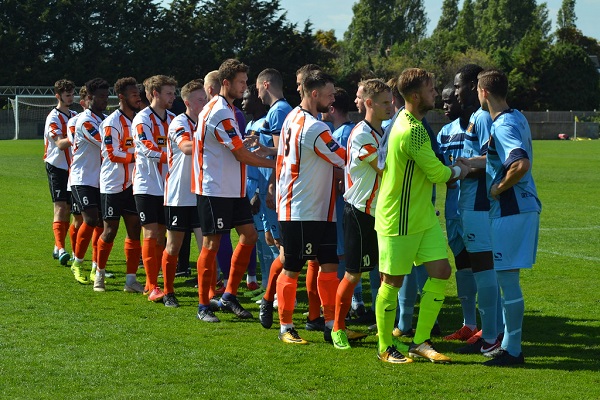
186	147
270	199
247	157
514	173
373	164
62	143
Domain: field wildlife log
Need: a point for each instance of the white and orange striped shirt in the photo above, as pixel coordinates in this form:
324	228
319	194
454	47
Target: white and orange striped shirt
85	168
117	153
216	172
56	128
71	136
306	157
150	140
179	179
361	180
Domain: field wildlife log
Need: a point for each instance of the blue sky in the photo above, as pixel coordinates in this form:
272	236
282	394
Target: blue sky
337	14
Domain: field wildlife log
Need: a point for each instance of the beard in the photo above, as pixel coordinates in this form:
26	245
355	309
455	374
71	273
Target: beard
134	106
323	109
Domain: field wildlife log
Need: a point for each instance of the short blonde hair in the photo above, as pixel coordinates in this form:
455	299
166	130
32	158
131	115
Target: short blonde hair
192	86
412	79
157	82
372	87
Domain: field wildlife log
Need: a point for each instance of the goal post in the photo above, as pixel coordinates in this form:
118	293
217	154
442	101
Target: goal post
30	111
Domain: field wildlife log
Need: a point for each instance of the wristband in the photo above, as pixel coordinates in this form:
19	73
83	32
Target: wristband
455	171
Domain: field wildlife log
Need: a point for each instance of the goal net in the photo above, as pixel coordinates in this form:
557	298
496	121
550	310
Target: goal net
29	113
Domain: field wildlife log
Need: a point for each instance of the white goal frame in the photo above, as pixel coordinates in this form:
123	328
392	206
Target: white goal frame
113	102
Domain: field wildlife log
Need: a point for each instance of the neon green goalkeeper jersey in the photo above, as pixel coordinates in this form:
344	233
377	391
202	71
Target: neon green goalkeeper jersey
411	168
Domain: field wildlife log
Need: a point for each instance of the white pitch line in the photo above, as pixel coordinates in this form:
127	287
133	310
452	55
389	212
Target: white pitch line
571	255
581	228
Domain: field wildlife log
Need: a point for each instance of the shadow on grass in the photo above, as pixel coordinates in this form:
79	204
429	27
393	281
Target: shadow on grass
550	342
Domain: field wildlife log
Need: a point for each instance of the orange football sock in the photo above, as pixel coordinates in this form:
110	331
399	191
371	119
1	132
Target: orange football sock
286	297
97	233
276	268
343	302
133	250
84	235
328	283
213	281
104	250
239	264
169	267
312	291
60	229
150	262
73	236
205	266
160	247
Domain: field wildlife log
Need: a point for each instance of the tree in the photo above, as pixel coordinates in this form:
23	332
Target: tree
465	27
527	63
566	15
569	80
503	23
257	33
379	24
447	21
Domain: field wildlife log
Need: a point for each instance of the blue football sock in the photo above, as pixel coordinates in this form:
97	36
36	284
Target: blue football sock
357	297
499	314
466	289
487	301
375	282
514	308
407	296
421	276
274	251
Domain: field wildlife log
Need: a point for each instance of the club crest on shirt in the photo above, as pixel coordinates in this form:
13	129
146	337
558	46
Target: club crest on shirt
161	141
128	143
332	145
470	128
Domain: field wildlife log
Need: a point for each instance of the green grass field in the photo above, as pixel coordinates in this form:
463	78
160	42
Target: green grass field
59	339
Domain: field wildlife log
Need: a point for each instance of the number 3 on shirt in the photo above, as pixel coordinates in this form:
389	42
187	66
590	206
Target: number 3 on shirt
287	142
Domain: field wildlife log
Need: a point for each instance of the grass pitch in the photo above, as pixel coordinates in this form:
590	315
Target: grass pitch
59	339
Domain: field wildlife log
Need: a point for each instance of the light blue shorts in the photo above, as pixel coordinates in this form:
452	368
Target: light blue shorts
476	231
454	231
515	240
270	222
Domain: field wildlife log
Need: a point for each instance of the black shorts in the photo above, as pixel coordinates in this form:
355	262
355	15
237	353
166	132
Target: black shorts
360	240
114	205
58	179
219	214
74	207
307	240
182	219
150	209
86	197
